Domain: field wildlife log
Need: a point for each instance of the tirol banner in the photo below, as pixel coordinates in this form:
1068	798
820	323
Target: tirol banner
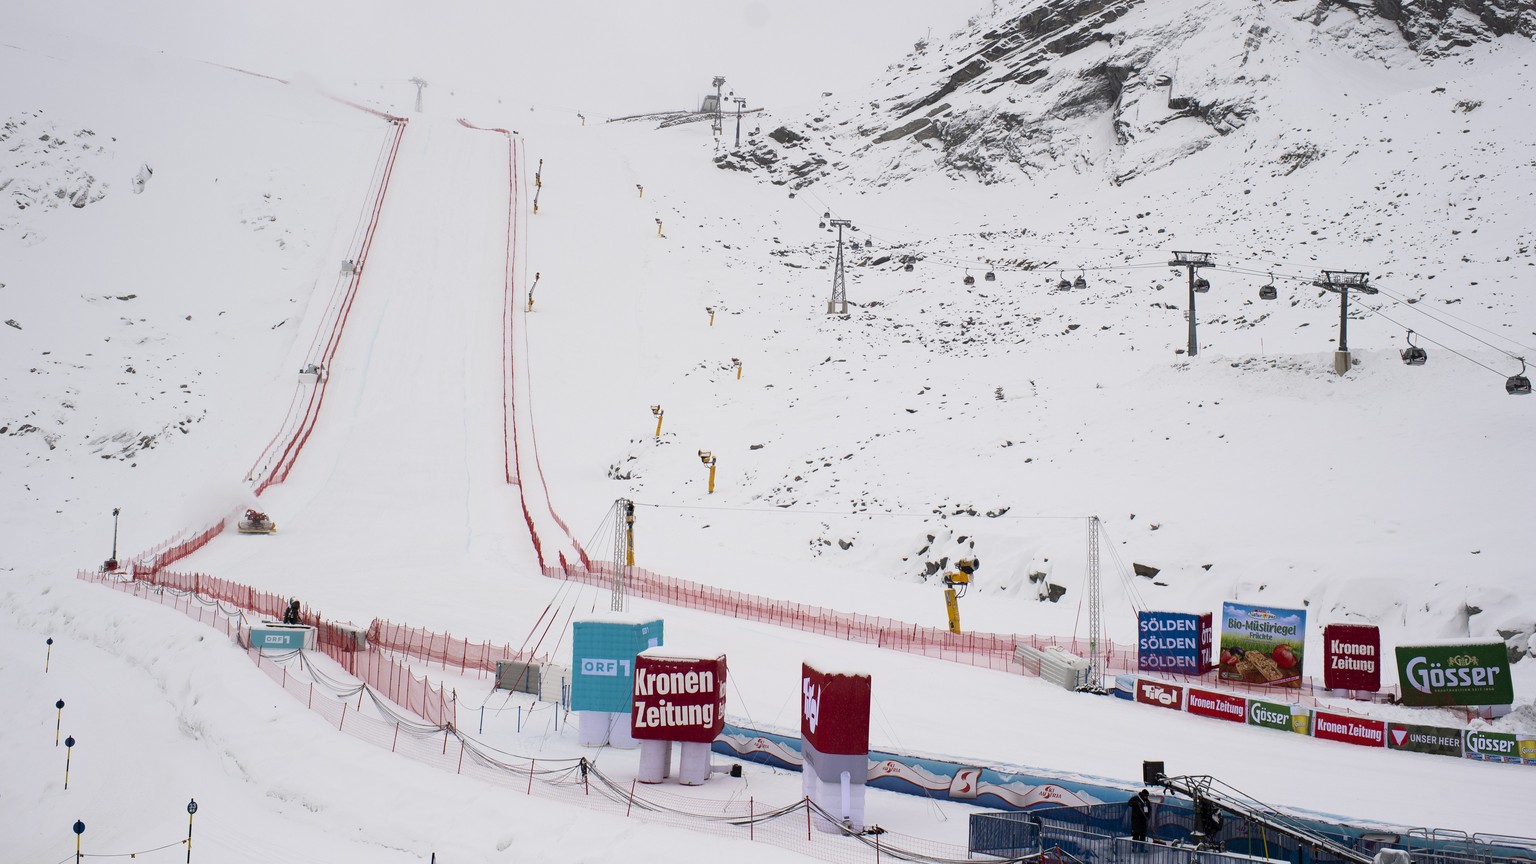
678	698
1262	644
1176	642
1438	740
1457	672
834	716
1352	657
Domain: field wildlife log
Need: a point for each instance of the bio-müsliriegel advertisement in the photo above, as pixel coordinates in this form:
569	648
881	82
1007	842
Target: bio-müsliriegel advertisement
1262	645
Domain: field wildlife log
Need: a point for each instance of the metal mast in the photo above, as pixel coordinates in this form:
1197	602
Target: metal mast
1095	609
1341	282
623	548
838	305
1193	261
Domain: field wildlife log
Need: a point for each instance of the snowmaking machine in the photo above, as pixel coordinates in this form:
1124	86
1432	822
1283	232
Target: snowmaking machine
256	522
955	585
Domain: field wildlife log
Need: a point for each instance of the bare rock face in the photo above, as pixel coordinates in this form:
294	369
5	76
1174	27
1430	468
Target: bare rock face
1438	27
1122	88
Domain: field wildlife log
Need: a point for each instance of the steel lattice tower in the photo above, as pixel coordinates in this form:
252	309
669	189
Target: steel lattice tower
1095	609
838	305
623	548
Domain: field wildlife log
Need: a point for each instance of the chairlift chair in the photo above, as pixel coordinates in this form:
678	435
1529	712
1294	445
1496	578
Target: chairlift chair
1079	283
1202	285
1062	284
969	279
1268	291
990	277
907	266
1518	385
1413	355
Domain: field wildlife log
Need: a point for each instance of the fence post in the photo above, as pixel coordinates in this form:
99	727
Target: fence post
343	717
311	705
397	737
531	763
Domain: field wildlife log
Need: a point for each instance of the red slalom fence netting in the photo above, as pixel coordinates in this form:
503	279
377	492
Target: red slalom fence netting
787	825
277	462
989	650
443	648
175	549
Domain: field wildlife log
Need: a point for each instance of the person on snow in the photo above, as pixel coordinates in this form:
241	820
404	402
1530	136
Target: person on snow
291	614
1140	805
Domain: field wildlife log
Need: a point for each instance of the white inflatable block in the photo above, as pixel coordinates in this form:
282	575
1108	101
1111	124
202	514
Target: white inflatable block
655	761
592	727
693	763
619	734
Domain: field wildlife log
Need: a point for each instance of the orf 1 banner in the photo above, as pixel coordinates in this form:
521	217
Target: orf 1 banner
1158	693
1175	642
1352	657
1350	730
1221	706
1262	644
1459	672
834	716
678	698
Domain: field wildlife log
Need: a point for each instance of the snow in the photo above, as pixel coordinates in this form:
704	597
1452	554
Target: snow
159	334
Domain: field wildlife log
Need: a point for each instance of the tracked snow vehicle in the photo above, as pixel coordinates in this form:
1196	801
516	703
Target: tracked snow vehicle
256	522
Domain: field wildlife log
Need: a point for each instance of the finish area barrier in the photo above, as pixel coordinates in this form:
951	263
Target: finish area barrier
986	650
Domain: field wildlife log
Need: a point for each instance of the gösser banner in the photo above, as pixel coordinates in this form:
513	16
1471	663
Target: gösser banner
1175	642
1461	672
1262	645
1352	657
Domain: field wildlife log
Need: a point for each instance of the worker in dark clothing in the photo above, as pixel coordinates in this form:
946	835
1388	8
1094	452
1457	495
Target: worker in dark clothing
1140	805
291	614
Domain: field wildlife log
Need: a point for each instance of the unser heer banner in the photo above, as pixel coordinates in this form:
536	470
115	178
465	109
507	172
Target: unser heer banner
678	699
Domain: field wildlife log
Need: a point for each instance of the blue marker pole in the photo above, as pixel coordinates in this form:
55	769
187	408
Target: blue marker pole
482	719
79	829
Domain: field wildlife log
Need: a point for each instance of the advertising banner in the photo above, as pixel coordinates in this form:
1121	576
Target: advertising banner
1159	693
1270	715
1350	730
1175	642
1352	657
1424	739
1262	645
603	650
1492	746
1528	750
678	698
834	716
1463	672
1222	706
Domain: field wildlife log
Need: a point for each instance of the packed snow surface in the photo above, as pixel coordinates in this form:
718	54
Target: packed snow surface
181	183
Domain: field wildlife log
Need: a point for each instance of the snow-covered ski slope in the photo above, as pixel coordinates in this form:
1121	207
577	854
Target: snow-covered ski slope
1383	495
